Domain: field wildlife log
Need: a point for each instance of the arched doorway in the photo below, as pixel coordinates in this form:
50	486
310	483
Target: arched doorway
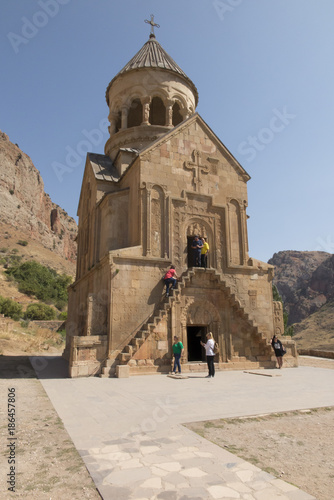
195	335
198	318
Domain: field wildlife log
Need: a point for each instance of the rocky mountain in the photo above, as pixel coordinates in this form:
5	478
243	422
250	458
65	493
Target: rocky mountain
26	208
305	281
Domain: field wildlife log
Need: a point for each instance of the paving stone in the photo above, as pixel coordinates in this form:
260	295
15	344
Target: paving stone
299	495
170	466
193	472
240	487
181	456
223	492
167	495
283	486
270	493
121	478
153	482
176	478
123	464
149	449
245	475
194	494
130	464
112	492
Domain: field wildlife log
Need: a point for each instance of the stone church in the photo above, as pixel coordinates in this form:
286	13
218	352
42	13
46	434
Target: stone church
164	178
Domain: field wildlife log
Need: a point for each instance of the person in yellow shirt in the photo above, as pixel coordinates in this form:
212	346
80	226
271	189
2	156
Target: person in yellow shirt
204	253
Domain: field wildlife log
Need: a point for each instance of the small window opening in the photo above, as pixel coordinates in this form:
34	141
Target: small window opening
135	116
177	117
157	112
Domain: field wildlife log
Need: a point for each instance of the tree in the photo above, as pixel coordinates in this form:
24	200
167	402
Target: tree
10	308
42	282
40	312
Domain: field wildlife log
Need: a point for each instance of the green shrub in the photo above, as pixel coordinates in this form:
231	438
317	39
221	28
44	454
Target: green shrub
39	312
60	304
10	308
24	323
62	316
62	333
42	282
24	243
11	260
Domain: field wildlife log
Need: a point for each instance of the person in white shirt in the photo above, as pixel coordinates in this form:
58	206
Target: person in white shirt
209	350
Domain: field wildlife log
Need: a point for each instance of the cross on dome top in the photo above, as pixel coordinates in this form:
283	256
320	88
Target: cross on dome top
153	25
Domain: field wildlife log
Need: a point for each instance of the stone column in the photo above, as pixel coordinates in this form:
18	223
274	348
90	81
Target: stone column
125	112
185	113
110	319
169	112
113	120
146	101
184	339
148	221
167	225
243	234
228	236
90	304
219	340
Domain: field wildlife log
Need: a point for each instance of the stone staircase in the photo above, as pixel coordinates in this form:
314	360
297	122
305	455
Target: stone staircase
162	309
234	302
140	336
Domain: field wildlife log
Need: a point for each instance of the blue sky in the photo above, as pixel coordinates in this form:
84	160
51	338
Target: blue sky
265	75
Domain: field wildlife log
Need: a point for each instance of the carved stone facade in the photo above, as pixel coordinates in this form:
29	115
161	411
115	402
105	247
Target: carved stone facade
165	178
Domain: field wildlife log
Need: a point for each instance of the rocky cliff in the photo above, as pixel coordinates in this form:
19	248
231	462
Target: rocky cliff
26	207
305	280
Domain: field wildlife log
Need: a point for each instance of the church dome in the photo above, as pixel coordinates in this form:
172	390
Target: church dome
152	55
147	98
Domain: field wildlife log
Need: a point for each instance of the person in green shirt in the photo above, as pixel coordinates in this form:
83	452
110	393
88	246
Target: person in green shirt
177	351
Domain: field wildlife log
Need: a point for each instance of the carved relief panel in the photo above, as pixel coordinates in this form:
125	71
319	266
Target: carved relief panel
157	221
196	216
278	318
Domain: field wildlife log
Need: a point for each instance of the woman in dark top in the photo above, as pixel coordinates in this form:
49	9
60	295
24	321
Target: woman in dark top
279	350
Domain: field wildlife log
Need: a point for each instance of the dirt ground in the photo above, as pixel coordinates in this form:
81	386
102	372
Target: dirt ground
47	466
296	446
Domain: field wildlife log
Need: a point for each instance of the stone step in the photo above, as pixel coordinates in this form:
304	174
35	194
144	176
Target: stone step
137	342
124	357
128	349
140	334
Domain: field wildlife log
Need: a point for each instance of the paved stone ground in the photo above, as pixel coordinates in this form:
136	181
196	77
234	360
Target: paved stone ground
129	431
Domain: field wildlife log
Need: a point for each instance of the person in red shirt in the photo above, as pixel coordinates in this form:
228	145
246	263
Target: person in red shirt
170	279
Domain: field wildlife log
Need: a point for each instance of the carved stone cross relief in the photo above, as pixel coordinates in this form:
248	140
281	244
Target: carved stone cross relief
197	169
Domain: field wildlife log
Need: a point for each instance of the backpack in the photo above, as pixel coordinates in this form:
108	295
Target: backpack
216	348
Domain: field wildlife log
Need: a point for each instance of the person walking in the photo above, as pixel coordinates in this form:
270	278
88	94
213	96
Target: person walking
279	350
209	351
170	279
177	352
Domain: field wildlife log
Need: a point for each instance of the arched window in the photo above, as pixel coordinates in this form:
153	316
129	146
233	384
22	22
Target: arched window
135	116
177	117
157	112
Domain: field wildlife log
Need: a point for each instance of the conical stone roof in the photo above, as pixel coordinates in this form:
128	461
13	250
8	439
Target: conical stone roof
152	55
